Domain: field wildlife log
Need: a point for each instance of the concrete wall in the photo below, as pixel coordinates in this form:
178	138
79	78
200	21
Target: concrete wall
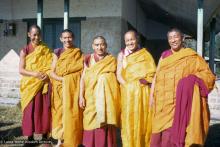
109	27
5	9
103	17
13	42
134	14
19	9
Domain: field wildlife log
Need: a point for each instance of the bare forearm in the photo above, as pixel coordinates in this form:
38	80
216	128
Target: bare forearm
120	79
82	89
119	69
27	73
56	77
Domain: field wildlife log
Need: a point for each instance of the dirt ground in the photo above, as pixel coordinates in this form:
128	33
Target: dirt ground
11	135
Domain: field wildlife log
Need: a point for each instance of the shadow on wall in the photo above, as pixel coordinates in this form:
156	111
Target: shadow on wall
156	47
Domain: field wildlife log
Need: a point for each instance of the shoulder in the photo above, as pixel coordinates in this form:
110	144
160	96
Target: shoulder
25	49
87	58
58	51
166	53
121	53
111	56
146	52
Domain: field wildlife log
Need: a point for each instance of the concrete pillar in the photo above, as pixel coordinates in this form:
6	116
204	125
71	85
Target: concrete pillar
212	44
66	14
200	27
40	13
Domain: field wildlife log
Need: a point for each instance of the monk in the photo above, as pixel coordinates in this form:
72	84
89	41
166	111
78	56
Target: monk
179	96
135	72
99	97
34	66
66	70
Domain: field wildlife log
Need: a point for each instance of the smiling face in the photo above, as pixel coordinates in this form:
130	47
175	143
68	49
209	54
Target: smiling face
175	40
99	46
131	42
34	35
67	40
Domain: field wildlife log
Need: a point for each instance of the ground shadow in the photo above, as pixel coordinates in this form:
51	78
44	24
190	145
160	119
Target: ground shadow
213	138
10	134
5	124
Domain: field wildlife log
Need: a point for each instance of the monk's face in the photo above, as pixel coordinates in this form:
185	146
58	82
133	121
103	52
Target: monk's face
67	39
175	40
34	36
99	46
131	41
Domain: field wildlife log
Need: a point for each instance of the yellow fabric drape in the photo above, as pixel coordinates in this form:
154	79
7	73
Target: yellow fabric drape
101	94
197	129
135	113
39	60
66	114
172	69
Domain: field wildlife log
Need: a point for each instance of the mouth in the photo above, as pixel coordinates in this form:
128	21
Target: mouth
174	44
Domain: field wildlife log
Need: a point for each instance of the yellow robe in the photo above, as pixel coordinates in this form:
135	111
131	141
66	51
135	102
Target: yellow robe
170	71
135	116
66	114
101	94
39	60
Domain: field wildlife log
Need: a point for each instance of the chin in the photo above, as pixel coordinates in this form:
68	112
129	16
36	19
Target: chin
100	54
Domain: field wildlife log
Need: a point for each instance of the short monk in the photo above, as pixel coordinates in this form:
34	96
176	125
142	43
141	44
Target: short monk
179	96
66	71
99	97
135	72
34	66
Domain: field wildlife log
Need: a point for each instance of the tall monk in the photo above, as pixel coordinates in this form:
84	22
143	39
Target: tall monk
66	70
135	72
179	96
99	97
34	65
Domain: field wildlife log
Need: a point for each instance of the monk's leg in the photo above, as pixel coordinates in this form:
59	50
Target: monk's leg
166	136
41	113
156	140
88	138
100	137
28	120
111	136
46	114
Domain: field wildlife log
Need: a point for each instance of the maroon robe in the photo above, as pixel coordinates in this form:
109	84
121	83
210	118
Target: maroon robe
100	137
37	114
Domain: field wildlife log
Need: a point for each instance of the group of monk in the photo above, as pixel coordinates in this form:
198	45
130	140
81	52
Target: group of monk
81	100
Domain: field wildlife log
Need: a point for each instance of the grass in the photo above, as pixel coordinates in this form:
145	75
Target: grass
10	128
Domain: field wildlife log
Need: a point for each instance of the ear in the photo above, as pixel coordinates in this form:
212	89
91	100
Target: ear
61	39
93	46
183	38
29	34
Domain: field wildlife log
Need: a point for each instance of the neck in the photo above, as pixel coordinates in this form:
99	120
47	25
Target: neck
34	45
66	48
100	57
176	50
134	50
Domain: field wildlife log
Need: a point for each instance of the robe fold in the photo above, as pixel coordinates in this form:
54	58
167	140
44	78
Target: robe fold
39	60
102	94
66	114
171	70
135	112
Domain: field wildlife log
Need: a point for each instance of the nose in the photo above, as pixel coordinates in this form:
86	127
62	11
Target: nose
172	40
99	47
